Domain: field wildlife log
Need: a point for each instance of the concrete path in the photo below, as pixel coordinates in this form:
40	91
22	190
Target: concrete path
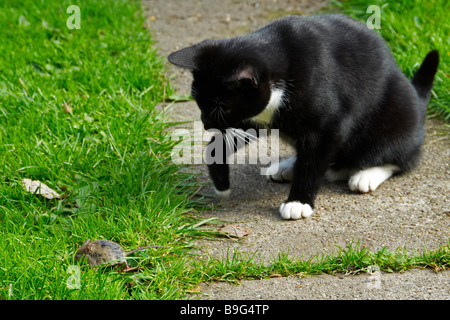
411	211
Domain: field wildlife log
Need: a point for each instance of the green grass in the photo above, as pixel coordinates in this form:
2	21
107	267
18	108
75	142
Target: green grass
412	28
77	112
353	259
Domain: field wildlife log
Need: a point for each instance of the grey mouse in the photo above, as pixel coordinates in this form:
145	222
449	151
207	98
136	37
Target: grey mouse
99	252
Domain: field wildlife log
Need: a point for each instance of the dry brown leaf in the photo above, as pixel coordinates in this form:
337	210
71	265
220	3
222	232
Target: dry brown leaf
197	289
235	231
37	187
67	107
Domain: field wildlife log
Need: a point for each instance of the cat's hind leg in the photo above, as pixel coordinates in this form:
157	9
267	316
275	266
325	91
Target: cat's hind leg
332	175
367	180
282	171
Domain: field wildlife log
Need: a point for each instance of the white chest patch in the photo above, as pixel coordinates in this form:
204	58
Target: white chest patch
276	100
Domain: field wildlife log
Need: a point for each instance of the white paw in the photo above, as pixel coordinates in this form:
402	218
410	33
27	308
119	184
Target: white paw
295	210
282	171
224	193
369	179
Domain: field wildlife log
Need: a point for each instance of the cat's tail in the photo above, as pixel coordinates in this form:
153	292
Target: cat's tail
424	77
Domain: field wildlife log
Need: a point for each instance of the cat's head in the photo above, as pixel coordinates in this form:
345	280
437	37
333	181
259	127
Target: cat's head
231	83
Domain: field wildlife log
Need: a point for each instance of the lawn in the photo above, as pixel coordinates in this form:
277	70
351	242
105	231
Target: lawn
78	113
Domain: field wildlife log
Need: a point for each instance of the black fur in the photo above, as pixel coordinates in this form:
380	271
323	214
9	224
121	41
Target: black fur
347	104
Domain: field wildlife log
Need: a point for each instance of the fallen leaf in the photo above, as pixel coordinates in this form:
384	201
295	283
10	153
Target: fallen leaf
37	187
196	289
67	107
235	231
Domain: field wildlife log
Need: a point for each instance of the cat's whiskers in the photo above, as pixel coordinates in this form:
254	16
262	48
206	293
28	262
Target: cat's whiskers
218	112
239	133
222	114
213	111
194	92
229	143
239	137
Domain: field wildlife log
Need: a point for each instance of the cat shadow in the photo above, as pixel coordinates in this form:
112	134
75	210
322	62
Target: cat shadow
254	193
248	184
337	187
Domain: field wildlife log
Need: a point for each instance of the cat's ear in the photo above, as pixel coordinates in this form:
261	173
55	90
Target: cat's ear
187	57
245	74
184	58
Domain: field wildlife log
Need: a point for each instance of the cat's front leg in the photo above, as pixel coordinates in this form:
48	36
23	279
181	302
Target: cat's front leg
306	177
216	158
295	210
221	146
300	202
220	175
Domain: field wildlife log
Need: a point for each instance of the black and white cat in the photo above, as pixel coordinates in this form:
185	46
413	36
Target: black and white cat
330	86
